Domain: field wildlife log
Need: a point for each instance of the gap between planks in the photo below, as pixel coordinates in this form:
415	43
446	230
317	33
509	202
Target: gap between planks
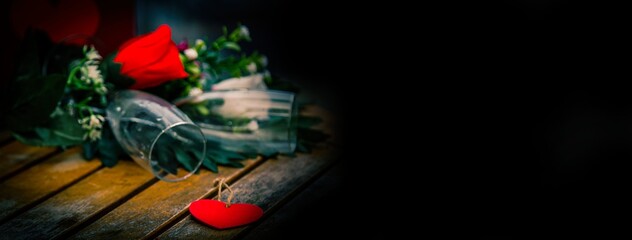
268	186
17	157
159	205
42	181
79	203
184	212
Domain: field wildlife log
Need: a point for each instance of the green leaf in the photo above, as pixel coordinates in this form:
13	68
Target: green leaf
89	150
216	156
166	158
210	164
268	153
185	159
62	130
109	148
232	45
112	73
223	160
35	100
301	147
233	155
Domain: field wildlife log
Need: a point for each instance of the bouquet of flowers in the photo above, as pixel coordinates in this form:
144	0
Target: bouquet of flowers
60	92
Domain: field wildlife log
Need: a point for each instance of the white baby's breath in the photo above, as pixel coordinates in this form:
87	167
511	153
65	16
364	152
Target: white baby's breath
191	54
92	54
92	122
93	125
94	73
263	60
200	44
195	92
244	32
252	67
93	135
253	125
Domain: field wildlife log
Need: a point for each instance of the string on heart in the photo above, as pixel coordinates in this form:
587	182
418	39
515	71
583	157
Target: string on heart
222	182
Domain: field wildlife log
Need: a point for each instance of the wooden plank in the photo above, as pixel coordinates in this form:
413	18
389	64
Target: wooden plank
317	202
43	180
159	204
267	186
16	156
81	202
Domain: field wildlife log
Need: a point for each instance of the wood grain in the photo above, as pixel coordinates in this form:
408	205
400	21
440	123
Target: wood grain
159	205
80	202
267	186
43	180
16	155
314	207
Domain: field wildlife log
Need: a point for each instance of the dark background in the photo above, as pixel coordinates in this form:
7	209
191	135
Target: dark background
546	119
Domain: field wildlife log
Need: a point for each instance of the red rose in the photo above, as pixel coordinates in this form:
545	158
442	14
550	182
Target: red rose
151	59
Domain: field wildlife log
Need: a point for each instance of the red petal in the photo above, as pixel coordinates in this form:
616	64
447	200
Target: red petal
144	50
168	68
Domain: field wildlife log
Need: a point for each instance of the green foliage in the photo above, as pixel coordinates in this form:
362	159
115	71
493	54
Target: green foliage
61	129
112	72
46	107
33	96
108	148
35	99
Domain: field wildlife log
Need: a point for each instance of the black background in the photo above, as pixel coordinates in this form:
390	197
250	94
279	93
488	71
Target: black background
545	119
507	118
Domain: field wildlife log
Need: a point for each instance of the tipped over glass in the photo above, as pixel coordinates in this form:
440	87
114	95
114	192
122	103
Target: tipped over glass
156	134
249	121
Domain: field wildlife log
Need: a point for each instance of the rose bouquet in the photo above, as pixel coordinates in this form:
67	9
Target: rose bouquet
60	92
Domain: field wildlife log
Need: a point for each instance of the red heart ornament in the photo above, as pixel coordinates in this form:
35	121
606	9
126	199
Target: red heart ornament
215	213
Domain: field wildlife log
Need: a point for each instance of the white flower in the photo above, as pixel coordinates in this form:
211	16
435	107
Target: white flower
91	74
191	54
93	134
195	92
249	82
92	122
199	43
93	54
252	67
263	61
243	31
253	125
84	74
94	72
102	90
95	121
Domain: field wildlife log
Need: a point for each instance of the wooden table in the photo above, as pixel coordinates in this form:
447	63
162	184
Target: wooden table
47	193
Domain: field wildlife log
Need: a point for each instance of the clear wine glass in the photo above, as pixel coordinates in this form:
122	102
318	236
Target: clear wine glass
252	121
156	134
